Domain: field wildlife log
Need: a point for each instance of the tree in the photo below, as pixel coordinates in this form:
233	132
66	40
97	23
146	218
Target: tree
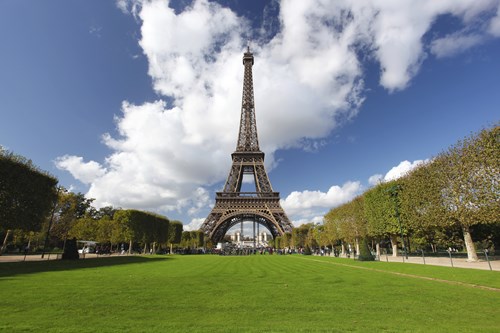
186	239
469	183
175	233
287	240
144	227
381	206
27	194
69	208
85	228
278	242
421	204
197	237
331	228
364	251
299	235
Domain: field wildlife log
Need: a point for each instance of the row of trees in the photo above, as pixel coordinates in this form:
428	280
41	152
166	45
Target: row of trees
150	230
193	239
73	216
27	194
454	194
31	204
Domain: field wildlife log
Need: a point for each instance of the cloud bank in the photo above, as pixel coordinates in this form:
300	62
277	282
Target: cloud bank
308	80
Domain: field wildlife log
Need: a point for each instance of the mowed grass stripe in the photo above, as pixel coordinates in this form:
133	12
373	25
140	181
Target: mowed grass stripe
258	293
470	285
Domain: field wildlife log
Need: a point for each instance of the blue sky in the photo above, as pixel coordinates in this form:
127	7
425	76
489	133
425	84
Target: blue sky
137	103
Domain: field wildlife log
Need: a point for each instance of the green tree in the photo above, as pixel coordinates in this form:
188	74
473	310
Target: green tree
85	228
332	228
175	233
287	240
197	238
70	207
27	194
469	180
381	207
299	235
186	239
144	227
422	208
278	242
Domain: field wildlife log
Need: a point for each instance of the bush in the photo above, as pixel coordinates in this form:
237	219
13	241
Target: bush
364	251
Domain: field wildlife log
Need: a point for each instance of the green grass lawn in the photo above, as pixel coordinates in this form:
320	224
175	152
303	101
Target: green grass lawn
244	294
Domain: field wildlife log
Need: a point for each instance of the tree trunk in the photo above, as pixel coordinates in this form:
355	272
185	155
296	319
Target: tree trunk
342	249
4	245
394	242
357	245
469	244
64	244
130	247
377	248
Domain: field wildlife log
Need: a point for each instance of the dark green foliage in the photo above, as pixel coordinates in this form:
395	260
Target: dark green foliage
441	203
71	250
381	209
299	235
140	226
364	251
175	232
27	194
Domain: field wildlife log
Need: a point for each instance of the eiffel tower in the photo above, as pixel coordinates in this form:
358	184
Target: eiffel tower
233	206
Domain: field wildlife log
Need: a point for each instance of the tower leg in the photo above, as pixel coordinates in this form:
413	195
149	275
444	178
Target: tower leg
254	232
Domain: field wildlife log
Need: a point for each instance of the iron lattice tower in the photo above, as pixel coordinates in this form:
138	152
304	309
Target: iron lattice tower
233	206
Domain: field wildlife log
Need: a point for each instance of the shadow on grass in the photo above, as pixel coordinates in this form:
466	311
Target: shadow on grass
30	267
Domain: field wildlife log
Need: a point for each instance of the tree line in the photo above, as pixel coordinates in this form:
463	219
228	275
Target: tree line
448	202
34	211
451	201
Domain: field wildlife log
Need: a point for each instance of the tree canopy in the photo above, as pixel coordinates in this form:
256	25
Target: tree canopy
27	194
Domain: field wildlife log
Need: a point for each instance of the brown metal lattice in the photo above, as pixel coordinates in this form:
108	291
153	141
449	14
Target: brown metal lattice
233	206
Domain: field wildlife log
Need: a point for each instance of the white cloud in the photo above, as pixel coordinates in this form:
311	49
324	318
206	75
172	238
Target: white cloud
396	172
195	224
301	205
453	44
308	78
402	169
375	179
86	172
494	26
316	219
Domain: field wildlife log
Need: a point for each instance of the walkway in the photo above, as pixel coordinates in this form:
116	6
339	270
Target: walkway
445	261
